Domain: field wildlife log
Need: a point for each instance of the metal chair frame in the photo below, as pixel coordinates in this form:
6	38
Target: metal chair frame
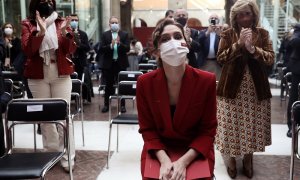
126	90
77	94
295	133
34	111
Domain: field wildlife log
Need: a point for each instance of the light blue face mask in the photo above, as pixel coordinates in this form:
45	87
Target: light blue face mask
114	27
74	24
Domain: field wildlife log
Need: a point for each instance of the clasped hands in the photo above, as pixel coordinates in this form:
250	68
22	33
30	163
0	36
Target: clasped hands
43	25
115	41
173	170
246	39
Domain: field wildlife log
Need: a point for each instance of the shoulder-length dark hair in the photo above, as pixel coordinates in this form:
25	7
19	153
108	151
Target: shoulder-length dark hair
33	7
156	35
3	27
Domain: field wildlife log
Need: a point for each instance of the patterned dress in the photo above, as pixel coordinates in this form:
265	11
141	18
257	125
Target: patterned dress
244	123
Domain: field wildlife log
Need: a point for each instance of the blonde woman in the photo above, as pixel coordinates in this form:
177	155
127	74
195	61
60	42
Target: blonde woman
243	92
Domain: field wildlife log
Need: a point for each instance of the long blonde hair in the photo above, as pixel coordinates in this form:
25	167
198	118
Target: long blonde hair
238	6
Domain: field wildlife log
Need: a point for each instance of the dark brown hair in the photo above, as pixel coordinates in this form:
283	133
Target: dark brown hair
33	7
156	35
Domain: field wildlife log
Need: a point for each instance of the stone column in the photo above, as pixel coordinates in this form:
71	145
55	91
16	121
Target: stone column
176	4
275	24
106	13
115	8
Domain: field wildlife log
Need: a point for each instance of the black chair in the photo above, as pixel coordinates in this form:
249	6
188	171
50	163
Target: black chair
15	165
299	91
74	75
144	68
286	86
154	62
126	90
8	86
295	132
283	84
18	85
76	94
129	75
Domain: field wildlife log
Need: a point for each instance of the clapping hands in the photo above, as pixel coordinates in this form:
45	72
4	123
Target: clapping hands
246	39
42	23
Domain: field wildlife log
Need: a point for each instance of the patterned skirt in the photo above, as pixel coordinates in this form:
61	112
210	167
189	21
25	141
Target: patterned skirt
244	123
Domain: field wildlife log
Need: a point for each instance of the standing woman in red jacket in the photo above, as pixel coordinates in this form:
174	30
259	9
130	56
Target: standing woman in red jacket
176	106
47	43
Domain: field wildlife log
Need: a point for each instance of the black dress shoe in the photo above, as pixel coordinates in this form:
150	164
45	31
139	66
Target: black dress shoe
123	109
289	133
105	109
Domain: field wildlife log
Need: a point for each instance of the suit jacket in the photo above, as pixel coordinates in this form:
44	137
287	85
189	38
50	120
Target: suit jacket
194	123
107	51
294	48
79	56
194	47
31	44
205	42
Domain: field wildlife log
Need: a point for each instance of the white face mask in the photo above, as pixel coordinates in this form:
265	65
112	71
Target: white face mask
8	31
115	27
173	52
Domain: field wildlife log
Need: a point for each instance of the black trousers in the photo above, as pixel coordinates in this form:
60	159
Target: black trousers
293	97
111	77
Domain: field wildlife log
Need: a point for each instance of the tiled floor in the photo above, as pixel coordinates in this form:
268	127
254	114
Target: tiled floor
272	164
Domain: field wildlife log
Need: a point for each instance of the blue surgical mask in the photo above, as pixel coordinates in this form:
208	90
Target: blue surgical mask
74	24
115	27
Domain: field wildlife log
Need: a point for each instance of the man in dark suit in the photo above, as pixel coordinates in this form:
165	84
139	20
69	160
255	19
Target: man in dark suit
114	46
181	16
294	67
79	57
209	39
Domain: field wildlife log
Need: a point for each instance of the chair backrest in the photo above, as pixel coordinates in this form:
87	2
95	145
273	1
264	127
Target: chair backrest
296	112
34	111
8	86
146	67
127	88
42	110
13	75
288	77
152	61
129	75
299	91
74	75
77	86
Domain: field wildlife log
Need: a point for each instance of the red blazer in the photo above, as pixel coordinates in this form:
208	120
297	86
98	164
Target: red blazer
194	123
31	45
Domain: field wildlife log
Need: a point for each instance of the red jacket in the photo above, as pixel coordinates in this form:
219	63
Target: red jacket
31	45
194	123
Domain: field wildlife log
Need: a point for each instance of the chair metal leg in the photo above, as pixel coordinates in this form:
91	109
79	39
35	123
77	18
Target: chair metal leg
108	149
81	117
13	136
292	152
34	136
69	153
117	137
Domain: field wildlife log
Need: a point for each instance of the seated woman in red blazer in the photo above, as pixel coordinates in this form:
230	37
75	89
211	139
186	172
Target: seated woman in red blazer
176	106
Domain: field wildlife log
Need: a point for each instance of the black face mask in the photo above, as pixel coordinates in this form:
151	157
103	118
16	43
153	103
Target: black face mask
45	9
182	21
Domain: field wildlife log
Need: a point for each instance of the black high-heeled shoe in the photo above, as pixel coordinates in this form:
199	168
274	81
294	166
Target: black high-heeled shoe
248	171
